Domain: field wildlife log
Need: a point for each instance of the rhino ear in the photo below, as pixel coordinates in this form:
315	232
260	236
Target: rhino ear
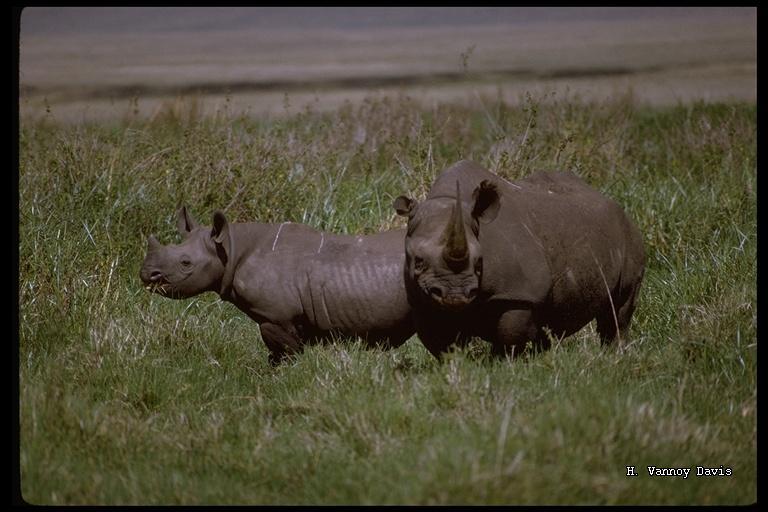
225	244
404	205
486	202
220	231
185	222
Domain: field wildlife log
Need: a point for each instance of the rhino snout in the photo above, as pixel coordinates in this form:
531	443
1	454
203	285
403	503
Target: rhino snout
456	301
452	299
155	276
151	276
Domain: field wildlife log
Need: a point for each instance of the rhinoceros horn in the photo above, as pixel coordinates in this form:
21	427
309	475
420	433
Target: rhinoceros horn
456	250
152	244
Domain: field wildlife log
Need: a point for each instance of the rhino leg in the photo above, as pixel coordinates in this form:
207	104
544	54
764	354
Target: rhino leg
280	341
391	338
624	307
436	337
514	329
435	343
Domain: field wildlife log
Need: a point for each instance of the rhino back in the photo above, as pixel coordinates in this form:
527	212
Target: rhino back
344	283
266	282
355	284
356	295
554	237
583	238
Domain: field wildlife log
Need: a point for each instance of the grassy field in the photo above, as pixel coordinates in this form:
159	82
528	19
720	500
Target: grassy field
130	398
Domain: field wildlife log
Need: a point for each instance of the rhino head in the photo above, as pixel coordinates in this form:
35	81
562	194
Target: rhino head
442	251
194	266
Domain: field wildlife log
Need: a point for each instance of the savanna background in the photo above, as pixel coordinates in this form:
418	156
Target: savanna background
323	116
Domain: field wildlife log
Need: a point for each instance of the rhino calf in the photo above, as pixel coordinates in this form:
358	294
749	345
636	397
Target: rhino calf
300	285
505	261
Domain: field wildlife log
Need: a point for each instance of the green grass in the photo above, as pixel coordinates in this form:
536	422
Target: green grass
130	398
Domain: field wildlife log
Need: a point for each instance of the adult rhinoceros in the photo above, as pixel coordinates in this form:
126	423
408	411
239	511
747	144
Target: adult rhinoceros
505	261
301	285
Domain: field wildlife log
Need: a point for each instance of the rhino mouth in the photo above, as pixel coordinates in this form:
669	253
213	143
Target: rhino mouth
453	305
163	287
447	301
159	287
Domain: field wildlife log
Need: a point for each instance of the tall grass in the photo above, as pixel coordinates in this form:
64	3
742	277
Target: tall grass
127	397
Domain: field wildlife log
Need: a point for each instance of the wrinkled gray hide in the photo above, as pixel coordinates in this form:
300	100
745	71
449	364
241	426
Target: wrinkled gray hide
511	259
299	284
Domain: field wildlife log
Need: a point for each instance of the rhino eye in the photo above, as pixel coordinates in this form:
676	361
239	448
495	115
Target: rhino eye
185	263
418	264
